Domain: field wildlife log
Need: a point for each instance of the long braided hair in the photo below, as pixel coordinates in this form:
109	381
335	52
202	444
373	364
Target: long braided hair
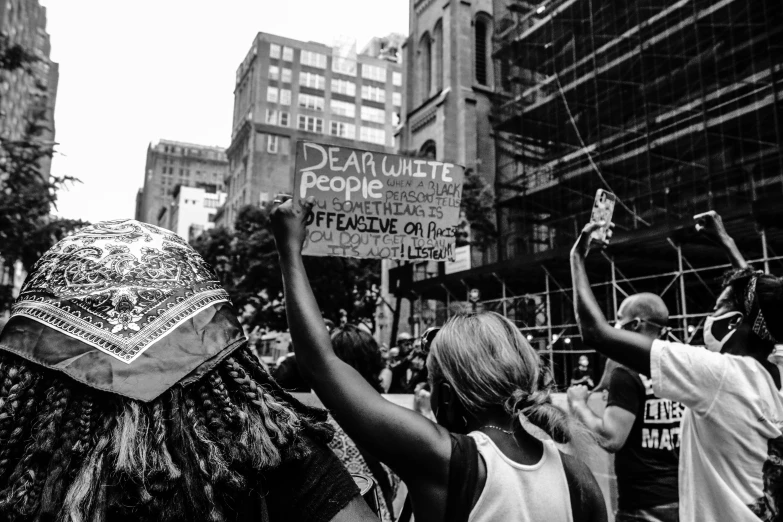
70	453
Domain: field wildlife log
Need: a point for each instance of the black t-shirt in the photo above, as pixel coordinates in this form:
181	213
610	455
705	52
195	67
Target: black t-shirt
312	489
646	466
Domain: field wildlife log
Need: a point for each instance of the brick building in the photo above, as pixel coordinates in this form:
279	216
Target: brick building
171	164
288	90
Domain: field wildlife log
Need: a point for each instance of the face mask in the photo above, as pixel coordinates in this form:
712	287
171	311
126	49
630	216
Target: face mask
718	330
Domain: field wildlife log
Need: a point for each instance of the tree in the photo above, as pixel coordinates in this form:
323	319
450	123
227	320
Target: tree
478	209
247	264
27	195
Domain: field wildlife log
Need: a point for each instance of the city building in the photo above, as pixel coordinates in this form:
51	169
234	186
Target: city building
171	164
675	107
192	210
28	94
449	84
287	91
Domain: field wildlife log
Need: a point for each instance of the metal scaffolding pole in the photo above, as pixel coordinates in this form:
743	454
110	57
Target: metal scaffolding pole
549	345
614	286
683	297
764	251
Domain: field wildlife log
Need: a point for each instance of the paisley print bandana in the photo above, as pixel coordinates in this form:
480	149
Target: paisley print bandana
125	307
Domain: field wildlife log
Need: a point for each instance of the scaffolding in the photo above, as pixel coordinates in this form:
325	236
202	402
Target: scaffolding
674	106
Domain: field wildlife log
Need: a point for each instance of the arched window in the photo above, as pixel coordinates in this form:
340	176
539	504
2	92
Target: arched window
425	66
429	150
438	43
482	38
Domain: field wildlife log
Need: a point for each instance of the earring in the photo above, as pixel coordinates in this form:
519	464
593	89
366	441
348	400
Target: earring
465	421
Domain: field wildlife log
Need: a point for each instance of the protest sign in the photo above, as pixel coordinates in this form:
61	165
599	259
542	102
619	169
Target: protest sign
376	205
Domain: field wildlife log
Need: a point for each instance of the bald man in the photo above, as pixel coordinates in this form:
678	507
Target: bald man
642	430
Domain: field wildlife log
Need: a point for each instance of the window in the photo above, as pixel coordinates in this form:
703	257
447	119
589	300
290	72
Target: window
344	130
376	94
313	59
425	67
271	116
274	51
285	96
397	78
274	72
271	144
374	115
314	81
288	54
308	101
344	87
373	72
437	56
285	75
372	135
343	108
285	119
481	34
272	94
397	99
310	123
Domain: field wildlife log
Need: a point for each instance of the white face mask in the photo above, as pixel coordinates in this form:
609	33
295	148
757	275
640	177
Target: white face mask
712	343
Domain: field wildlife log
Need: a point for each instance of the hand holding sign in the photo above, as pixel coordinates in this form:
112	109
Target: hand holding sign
376	205
288	225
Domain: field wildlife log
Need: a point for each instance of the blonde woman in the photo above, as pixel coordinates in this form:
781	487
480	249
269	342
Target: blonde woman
478	463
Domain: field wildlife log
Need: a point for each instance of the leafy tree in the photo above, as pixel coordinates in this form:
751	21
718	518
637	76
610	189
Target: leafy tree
247	264
27	195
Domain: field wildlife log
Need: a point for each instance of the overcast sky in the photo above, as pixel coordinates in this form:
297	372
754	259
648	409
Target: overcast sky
136	72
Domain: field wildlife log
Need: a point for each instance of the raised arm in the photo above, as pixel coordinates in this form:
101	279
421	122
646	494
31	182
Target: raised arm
414	447
711	225
611	430
628	348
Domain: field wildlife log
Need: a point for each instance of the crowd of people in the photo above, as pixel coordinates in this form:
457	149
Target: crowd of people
128	392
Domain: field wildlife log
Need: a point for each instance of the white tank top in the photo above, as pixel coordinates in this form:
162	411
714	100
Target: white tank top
518	493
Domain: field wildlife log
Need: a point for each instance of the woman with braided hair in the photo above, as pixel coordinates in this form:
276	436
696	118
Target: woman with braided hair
488	458
128	393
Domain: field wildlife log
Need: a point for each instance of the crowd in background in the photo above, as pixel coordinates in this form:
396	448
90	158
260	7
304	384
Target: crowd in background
129	392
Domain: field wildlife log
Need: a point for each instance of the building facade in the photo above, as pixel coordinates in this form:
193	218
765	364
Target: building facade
171	164
288	90
449	85
29	93
675	107
192	210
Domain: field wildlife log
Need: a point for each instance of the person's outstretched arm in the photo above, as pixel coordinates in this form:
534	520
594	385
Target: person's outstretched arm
414	447
628	348
711	224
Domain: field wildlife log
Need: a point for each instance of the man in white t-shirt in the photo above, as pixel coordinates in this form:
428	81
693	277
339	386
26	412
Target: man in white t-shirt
731	431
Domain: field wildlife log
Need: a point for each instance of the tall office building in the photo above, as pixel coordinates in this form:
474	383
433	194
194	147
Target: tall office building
288	90
29	93
171	164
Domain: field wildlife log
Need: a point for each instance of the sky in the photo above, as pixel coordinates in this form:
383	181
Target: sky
135	72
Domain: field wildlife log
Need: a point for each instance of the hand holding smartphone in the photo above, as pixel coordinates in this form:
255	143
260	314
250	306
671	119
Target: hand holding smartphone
603	209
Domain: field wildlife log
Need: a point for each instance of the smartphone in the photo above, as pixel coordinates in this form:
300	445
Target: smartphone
603	208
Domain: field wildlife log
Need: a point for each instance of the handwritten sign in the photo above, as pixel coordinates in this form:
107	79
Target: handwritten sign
376	205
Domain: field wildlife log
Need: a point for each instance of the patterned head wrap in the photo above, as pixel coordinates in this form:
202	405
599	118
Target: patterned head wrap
762	299
124	307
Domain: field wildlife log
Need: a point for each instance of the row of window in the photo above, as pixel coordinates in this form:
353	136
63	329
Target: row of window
315	124
309	101
306	101
284	74
317	81
341	65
